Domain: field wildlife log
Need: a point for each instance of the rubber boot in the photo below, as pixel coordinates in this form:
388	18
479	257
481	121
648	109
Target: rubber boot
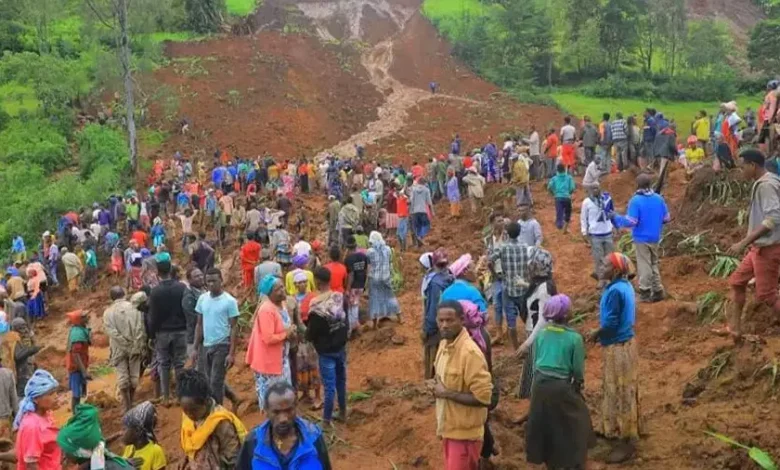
513	338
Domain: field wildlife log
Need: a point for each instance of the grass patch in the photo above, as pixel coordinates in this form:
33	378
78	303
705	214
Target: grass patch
241	7
151	139
178	36
683	112
15	98
101	370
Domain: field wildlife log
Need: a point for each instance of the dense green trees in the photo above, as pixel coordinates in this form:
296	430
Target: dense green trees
645	46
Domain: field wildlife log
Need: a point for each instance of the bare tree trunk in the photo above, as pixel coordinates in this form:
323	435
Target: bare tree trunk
124	58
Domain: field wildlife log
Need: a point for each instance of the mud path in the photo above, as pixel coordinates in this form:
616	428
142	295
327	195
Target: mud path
377	60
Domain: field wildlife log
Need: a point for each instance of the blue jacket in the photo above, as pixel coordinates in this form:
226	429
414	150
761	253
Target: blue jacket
647	214
617	313
462	290
258	453
433	293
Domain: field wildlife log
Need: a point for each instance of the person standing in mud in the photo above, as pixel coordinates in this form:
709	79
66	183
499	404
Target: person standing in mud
420	205
124	326
762	260
647	213
433	286
620	418
168	325
216	332
513	255
462	387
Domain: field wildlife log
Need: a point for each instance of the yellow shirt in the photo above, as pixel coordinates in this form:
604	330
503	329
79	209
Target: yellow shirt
289	282
701	127
694	156
152	455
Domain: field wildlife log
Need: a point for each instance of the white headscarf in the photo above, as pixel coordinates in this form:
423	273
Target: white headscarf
376	240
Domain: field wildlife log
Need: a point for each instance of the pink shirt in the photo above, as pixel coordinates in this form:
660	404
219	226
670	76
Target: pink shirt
37	442
266	344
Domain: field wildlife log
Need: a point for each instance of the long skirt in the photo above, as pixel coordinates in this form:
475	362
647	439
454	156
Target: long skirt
381	300
558	429
620	407
36	308
307	366
263	381
527	377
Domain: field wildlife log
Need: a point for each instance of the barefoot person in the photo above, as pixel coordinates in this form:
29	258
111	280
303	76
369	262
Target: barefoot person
762	260
620	406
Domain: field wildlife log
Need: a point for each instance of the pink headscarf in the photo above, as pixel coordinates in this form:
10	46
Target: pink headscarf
557	308
473	321
460	265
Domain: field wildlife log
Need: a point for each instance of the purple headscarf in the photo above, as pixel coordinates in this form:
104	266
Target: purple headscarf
473	321
557	308
300	261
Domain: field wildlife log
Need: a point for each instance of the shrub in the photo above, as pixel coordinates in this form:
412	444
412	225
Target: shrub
33	141
101	146
618	86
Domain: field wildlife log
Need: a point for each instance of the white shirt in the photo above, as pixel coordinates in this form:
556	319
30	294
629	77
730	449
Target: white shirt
592	220
592	174
302	248
568	133
533	144
96	229
508	144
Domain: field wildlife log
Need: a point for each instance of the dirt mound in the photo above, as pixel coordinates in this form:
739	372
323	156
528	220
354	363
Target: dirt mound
287	94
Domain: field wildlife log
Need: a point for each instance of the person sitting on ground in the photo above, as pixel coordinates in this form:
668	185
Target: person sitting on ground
140	440
284	440
211	436
694	156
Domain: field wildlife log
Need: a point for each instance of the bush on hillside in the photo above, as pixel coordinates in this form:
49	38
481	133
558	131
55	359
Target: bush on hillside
101	146
618	86
719	86
33	141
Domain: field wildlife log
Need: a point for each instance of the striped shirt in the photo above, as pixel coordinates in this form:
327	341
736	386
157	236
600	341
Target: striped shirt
619	130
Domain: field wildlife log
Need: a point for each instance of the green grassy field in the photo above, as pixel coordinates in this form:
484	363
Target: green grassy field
241	7
15	98
683	112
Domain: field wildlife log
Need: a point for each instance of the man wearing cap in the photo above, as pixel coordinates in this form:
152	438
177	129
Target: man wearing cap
124	326
762	260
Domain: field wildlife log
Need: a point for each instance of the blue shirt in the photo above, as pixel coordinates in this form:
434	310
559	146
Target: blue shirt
617	313
561	185
462	290
647	213
218	175
217	312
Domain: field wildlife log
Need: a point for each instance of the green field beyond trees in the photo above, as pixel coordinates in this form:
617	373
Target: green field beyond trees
638	49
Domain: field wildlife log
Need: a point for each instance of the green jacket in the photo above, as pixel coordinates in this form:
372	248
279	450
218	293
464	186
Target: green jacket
561	186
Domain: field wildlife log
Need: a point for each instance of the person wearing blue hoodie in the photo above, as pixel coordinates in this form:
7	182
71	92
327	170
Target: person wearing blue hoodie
647	214
284	441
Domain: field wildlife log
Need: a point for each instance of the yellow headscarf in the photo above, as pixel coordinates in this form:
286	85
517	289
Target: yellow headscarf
193	439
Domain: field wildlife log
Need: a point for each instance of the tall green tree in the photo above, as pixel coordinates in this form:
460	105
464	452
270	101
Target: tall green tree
205	16
582	18
709	42
673	30
764	46
618	29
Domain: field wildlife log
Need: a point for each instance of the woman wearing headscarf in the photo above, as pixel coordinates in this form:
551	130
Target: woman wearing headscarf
36	438
36	307
463	288
474	323
82	443
381	300
299	262
306	373
139	438
620	419
268	352
558	430
157	233
541	289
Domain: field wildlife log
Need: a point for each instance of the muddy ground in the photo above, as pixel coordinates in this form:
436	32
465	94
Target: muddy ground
298	93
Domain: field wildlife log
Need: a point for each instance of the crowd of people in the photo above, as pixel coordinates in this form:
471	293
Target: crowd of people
167	250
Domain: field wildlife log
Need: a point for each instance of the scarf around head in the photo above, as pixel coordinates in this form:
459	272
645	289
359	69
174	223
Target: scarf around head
39	385
194	438
473	321
82	438
557	308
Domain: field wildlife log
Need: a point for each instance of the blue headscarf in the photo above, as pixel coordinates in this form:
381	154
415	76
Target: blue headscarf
267	284
39	385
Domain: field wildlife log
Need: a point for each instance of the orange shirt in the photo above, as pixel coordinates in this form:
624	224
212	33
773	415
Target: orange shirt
552	146
303	169
250	254
140	237
467	162
418	171
402	205
338	276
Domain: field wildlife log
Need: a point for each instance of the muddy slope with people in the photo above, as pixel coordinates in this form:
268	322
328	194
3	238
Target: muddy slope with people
291	95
